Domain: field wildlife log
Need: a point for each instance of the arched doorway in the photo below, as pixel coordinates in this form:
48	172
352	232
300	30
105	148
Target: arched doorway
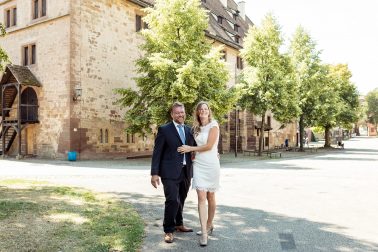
29	106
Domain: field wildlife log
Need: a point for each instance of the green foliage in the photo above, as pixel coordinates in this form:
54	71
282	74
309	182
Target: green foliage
4	60
338	103
329	101
372	106
309	75
178	64
317	129
348	94
266	84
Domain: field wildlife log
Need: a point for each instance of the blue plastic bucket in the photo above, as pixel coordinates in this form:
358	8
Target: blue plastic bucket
72	155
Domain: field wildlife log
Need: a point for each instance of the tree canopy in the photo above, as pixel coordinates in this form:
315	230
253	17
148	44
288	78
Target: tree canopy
267	82
179	64
339	104
372	106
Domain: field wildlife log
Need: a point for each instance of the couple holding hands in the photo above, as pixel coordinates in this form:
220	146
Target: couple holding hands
180	154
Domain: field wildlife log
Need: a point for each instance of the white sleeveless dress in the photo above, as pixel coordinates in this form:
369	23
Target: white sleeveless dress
206	166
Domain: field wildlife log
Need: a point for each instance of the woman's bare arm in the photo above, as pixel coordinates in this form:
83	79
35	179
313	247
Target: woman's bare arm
213	135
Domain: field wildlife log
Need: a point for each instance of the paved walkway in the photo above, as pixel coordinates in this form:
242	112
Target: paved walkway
321	201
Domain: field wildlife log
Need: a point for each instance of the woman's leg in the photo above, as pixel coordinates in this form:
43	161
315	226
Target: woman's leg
211	208
202	211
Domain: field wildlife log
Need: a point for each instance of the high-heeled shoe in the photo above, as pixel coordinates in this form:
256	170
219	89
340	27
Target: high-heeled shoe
203	240
209	231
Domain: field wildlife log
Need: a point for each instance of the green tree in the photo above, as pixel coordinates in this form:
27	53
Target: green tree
372	106
350	107
339	101
179	64
266	84
4	60
308	76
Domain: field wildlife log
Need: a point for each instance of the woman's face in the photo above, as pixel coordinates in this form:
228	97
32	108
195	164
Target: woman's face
203	111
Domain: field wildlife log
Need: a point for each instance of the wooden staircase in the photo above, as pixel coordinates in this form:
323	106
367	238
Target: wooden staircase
9	135
10	94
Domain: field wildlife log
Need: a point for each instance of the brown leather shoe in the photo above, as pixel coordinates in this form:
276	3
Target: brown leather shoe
182	228
168	237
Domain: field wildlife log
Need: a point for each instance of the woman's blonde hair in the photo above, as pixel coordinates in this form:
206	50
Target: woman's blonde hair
197	120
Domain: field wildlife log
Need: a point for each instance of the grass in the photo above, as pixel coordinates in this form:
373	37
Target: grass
37	216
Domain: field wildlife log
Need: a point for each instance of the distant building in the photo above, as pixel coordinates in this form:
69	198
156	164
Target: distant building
67	57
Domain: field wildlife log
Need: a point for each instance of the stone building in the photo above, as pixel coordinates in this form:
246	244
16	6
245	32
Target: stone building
67	58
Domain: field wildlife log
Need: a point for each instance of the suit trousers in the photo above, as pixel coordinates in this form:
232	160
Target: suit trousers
175	191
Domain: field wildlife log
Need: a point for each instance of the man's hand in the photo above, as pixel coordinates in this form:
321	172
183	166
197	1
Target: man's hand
155	181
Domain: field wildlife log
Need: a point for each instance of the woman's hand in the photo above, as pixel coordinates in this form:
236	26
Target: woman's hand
184	149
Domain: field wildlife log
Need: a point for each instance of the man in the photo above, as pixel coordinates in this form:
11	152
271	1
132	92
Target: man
174	169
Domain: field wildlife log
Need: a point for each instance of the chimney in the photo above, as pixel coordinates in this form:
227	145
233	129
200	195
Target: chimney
241	9
224	2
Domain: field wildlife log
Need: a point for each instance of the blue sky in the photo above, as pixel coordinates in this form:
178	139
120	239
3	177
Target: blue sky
346	31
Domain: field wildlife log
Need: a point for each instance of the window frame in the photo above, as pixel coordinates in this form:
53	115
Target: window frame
101	136
30	58
106	136
10	17
139	23
38	9
224	55
236	27
220	20
239	63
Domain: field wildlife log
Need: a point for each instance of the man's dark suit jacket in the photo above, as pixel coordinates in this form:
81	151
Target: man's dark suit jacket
166	161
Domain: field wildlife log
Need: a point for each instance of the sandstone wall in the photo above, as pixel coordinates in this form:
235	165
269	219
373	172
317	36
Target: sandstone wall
104	47
51	37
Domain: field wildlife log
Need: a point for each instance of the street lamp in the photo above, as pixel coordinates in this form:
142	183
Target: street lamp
237	109
77	92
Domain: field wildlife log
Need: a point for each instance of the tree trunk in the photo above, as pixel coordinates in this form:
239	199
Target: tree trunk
261	139
301	132
327	136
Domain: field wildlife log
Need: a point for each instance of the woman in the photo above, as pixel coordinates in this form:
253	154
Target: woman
206	166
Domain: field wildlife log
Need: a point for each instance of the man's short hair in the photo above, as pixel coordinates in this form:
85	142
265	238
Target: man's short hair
177	104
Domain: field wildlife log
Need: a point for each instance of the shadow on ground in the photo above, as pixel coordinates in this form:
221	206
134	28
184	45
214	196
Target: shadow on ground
244	229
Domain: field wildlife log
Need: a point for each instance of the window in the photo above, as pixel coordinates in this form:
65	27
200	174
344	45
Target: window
127	138
132	138
101	136
224	55
10	17
269	121
33	56
239	62
39	8
29	56
14	16
44	8
26	56
266	141
220	19
235	15
106	136
139	24
236	27
237	39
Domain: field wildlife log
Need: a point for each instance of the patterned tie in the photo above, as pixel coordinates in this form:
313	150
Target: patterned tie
181	133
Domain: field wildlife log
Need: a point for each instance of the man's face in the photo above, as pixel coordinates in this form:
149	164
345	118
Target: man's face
178	114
